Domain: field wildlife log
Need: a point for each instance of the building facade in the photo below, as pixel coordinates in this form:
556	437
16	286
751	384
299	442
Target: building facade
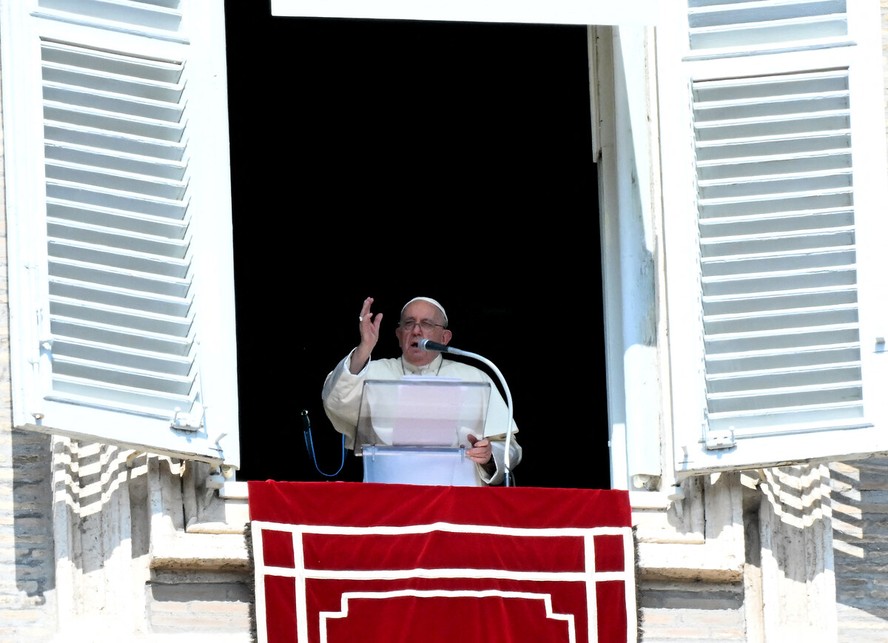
741	152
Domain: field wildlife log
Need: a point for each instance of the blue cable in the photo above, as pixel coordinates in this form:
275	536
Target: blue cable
309	444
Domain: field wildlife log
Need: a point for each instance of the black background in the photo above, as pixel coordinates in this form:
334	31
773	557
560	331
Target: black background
393	159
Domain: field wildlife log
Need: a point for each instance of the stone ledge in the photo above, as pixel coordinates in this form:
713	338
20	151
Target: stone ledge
201	551
688	562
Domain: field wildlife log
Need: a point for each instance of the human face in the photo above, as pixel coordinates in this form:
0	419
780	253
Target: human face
421	311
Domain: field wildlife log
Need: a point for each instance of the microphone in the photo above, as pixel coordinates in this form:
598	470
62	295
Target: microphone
429	345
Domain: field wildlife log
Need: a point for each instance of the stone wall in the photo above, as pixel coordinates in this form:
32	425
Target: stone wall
860	545
27	576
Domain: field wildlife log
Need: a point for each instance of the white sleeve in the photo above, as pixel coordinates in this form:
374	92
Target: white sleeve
342	398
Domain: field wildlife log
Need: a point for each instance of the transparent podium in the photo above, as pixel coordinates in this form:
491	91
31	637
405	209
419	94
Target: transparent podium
415	430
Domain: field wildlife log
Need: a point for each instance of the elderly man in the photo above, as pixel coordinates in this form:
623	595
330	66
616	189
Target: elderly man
421	318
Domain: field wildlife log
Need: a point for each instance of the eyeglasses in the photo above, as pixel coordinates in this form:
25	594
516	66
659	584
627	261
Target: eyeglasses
425	324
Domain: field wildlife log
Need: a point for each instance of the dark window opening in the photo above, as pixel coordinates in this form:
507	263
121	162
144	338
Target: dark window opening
395	159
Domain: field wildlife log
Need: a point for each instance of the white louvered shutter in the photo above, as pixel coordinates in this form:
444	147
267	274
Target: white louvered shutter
772	228
121	276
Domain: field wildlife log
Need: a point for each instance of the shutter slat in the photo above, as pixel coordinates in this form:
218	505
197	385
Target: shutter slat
148	71
814	220
719	24
160	15
117	163
117	200
118	123
85	99
166	262
91	176
787	146
75	329
112	316
154	364
74	213
803	419
757	321
758	284
780	253
783	398
72	135
768	381
135	399
763	302
110	373
791	241
119	298
798	339
787	359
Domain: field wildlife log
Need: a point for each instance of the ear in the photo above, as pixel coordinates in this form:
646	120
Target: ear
445	336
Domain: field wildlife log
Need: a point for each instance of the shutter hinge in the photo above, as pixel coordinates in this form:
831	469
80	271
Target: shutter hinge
720	439
193	421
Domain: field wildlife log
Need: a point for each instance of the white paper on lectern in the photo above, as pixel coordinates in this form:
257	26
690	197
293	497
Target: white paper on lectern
422	411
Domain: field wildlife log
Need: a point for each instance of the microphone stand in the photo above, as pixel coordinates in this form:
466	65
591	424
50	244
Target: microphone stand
507	461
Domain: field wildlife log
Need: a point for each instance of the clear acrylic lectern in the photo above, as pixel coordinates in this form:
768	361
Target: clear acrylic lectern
415	430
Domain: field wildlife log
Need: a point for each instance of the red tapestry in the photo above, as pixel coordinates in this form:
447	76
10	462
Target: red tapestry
338	562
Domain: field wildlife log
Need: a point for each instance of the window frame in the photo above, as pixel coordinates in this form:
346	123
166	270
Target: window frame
566	12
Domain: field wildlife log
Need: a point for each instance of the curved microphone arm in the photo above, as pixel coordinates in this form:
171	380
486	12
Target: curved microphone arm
426	344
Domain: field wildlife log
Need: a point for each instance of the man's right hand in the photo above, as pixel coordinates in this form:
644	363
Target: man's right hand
369	324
